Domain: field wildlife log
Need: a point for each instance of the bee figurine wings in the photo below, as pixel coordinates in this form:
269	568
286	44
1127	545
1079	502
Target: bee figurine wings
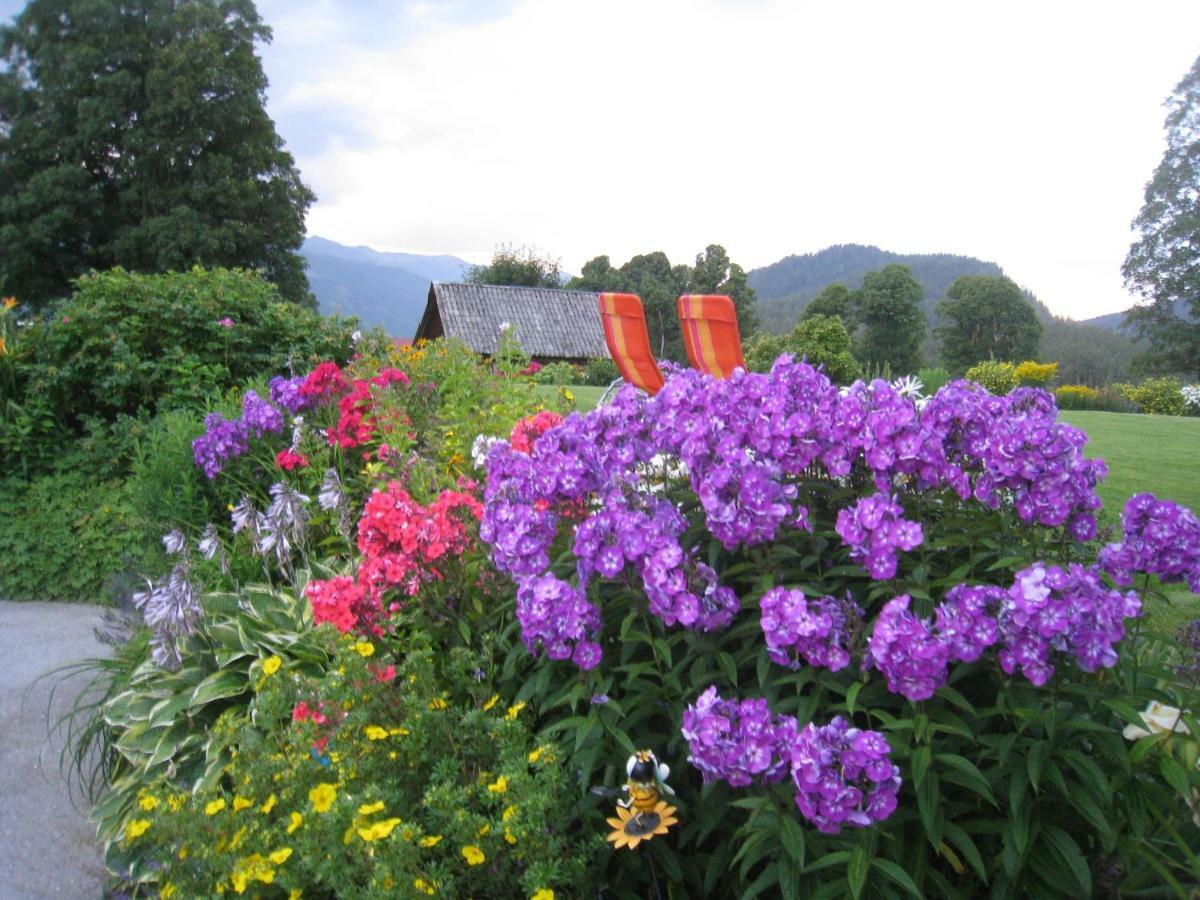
641	813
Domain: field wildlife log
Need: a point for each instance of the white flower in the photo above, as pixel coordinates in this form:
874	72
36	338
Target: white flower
504	326
355	337
330	497
210	543
174	541
481	446
1160	719
908	386
297	432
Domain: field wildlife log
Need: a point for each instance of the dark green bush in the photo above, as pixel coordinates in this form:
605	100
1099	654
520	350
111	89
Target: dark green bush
601	372
822	340
558	373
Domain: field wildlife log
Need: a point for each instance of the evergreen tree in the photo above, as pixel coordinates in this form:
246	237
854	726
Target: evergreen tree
135	135
1163	265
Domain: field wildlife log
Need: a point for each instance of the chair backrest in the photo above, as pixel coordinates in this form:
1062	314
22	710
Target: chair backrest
710	333
628	340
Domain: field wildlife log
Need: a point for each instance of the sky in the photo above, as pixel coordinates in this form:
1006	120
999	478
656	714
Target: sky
1018	132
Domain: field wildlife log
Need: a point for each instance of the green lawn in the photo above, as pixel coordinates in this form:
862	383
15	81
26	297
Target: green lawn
1159	454
586	395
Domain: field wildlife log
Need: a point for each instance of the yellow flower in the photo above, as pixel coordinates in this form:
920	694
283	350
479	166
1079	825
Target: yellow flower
437	703
424	886
183	852
365	648
430	840
176	802
136	828
368	809
543	894
491	702
631	827
508	813
238	837
378	830
240	803
509	836
322	796
375	733
268	806
403	732
535	755
499	786
295	894
515	709
295	823
483	830
10	302
148	802
280	856
569	396
167	890
473	855
271	665
214	806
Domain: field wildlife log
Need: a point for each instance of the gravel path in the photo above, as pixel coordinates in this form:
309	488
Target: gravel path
47	846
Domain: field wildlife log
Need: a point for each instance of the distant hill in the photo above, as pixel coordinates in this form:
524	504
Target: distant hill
384	289
1094	352
1116	321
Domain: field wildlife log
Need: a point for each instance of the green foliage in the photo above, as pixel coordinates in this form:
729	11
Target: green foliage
70	536
835	300
1158	397
558	373
600	372
822	340
888	306
136	136
997	377
1163	264
521	267
427	783
932	379
659	285
1035	374
125	342
1086	354
986	318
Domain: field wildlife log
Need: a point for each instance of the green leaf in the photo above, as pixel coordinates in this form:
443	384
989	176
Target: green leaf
971	776
791	836
218	686
966	846
1068	851
837	858
1175	775
856	870
896	875
929	806
768	878
920	764
1035	761
852	695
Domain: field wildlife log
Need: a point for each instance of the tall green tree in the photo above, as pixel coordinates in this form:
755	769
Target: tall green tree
1163	264
834	300
518	267
135	135
888	308
659	283
986	318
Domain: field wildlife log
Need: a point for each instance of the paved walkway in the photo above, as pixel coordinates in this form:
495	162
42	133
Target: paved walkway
47	846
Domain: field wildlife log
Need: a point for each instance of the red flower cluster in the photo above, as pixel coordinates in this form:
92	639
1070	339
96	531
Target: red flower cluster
404	542
287	460
357	421
532	369
526	432
302	712
326	380
342	603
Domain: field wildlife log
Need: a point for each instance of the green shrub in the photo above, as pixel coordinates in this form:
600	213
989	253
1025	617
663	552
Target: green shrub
1035	374
67	536
932	380
997	377
558	374
1159	397
124	342
600	372
822	340
164	484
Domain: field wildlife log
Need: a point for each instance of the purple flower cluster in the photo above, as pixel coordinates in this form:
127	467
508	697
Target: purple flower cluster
843	776
875	528
1161	538
224	440
966	620
905	649
738	741
1070	611
285	393
557	617
818	630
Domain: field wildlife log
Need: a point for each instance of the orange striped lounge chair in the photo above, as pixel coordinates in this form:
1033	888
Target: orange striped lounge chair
628	341
710	333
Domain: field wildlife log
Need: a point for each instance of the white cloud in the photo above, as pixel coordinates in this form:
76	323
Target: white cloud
1019	133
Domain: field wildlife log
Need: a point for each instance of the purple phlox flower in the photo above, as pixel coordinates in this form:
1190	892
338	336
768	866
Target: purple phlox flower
819	630
843	776
558	619
1070	611
222	441
259	416
285	393
874	529
966	620
225	322
904	648
739	742
1160	538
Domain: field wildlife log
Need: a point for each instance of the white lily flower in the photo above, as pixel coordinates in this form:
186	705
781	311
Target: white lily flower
1159	719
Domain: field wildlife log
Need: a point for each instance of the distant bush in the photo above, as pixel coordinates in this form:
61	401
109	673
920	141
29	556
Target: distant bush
822	340
1080	396
1159	397
1035	374
932	379
1191	396
558	374
997	377
600	372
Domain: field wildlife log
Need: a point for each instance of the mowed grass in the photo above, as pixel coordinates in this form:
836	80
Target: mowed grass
585	396
1155	454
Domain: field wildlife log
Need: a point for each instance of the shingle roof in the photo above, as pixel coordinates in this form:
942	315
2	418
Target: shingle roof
548	322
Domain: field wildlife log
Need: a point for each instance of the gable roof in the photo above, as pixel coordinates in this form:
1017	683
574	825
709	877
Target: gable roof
548	322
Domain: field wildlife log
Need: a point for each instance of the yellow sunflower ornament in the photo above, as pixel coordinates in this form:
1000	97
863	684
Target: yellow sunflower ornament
643	813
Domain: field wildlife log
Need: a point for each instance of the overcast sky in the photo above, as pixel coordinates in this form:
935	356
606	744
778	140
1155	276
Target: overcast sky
1022	133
